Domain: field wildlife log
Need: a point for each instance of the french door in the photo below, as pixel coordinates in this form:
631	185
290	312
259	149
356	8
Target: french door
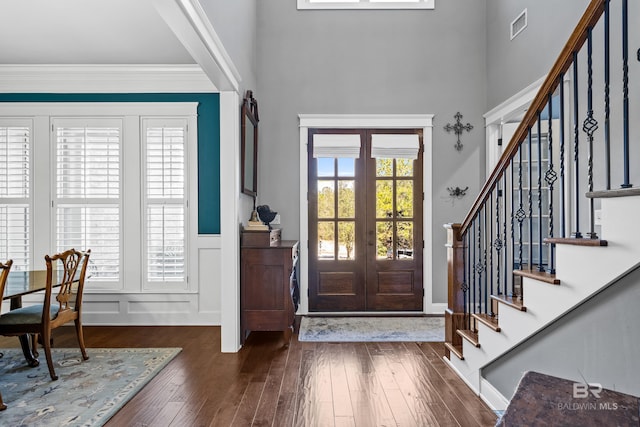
365	220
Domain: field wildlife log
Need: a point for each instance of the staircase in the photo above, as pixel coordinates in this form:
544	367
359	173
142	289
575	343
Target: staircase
521	259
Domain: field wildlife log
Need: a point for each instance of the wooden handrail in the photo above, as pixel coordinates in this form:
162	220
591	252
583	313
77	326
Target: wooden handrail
565	59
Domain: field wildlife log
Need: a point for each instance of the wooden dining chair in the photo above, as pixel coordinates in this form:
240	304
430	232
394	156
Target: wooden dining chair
68	269
4	273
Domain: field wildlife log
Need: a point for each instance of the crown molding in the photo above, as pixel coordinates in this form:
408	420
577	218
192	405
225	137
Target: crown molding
54	78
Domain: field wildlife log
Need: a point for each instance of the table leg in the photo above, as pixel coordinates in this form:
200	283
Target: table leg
24	339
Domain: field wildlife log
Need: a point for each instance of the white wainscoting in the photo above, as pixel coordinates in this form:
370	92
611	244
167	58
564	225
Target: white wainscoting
175	308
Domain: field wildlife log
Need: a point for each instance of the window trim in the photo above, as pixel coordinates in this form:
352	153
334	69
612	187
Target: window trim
365	5
29	200
145	123
131	113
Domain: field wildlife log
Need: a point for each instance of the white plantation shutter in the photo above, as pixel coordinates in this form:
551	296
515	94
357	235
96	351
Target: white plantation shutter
87	191
15	178
165	199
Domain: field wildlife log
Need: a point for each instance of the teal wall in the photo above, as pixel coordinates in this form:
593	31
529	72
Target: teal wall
208	139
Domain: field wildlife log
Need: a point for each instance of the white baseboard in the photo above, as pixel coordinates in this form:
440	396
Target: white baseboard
492	397
437	308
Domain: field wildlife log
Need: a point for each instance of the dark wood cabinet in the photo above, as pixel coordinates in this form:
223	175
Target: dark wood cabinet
268	285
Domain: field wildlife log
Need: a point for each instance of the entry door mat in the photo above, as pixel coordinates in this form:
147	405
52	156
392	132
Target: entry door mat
87	392
371	329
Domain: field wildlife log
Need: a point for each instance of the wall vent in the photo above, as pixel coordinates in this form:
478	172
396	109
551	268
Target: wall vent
519	24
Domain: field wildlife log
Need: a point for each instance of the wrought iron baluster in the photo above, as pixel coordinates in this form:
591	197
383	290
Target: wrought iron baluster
625	91
589	126
576	142
550	177
607	106
530	200
469	283
474	283
486	244
540	261
521	215
563	212
497	244
491	243
464	287
504	230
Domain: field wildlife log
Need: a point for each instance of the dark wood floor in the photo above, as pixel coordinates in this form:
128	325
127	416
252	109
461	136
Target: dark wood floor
305	384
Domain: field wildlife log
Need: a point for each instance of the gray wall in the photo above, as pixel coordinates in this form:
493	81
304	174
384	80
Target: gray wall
514	64
597	341
235	24
347	62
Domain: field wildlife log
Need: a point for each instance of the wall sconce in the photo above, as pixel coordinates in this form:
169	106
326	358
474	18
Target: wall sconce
457	192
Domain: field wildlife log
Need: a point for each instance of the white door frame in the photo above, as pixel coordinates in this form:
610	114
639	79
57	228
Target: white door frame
368	121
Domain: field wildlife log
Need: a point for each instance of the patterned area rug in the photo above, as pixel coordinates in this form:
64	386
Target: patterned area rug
87	393
371	329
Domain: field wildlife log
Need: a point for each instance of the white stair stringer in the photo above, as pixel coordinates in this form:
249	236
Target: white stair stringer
582	270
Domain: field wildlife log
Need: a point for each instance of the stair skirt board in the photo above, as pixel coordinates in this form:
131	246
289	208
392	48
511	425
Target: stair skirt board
474	387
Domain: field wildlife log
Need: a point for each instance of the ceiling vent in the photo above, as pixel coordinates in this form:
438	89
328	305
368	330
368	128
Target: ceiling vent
519	24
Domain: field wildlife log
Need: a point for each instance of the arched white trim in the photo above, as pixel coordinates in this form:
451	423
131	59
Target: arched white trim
377	121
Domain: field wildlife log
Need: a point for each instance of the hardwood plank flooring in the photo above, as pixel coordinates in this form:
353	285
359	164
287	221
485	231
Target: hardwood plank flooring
304	384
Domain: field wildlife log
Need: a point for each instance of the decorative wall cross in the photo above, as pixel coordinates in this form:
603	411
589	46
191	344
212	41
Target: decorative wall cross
457	128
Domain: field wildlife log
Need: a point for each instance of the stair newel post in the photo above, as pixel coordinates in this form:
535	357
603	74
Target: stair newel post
541	267
456	313
607	106
625	93
589	126
550	177
576	142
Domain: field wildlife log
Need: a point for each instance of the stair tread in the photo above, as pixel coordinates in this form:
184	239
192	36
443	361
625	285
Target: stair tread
618	192
510	301
543	276
455	349
576	242
470	336
487	319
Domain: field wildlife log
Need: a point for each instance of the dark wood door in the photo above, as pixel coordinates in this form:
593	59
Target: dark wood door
365	229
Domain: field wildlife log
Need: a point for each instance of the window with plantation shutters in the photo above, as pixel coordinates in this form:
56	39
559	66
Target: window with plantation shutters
87	193
165	203
15	191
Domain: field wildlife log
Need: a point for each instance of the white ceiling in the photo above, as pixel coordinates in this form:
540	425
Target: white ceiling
86	32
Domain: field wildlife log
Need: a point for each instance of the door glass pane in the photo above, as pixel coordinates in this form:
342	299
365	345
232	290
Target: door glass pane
404	167
326	240
346	199
326	166
346	167
346	239
384	240
384	167
326	199
404	198
384	199
404	231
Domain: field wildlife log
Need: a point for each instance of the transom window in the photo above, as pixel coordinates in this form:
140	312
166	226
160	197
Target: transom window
366	4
